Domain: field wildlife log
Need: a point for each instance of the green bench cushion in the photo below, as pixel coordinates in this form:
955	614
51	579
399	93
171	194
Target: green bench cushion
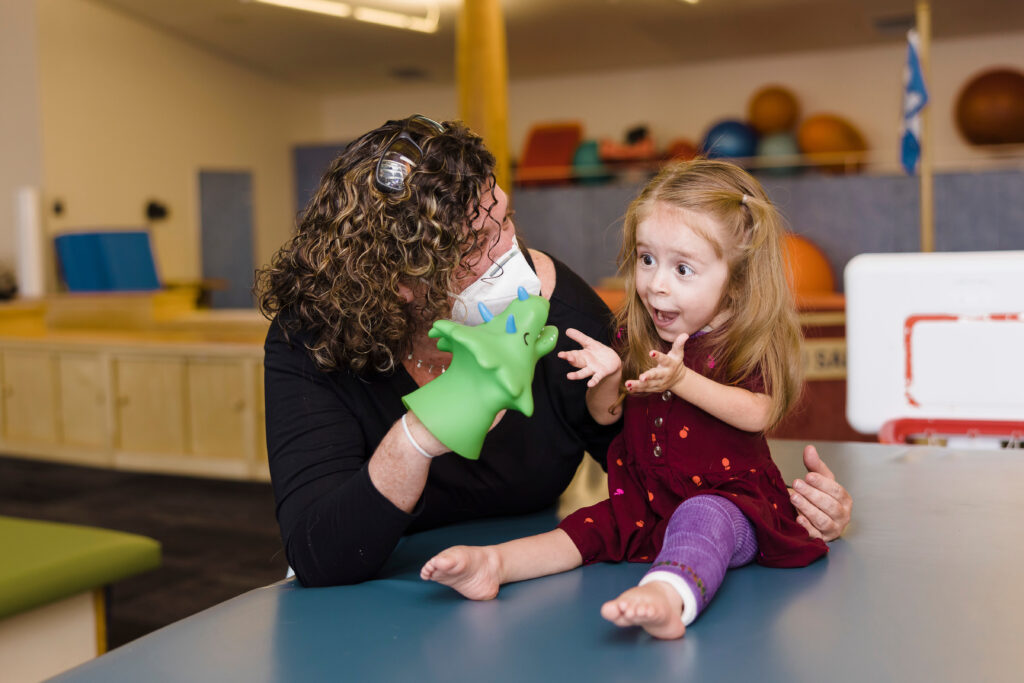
42	562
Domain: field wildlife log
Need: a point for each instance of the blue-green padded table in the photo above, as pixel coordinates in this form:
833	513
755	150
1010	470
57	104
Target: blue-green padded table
926	586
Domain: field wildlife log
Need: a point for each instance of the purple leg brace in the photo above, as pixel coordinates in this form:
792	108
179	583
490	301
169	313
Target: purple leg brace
705	536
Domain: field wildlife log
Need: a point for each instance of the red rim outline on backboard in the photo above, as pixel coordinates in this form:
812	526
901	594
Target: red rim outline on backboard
908	332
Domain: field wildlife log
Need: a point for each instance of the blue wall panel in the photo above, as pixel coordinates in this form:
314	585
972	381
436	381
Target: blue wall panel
844	215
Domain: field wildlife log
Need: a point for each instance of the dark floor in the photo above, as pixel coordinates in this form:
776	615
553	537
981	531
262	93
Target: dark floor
219	537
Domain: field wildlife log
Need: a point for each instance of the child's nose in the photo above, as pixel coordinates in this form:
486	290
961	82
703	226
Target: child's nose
659	282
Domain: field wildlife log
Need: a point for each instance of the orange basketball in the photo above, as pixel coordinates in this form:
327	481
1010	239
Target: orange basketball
773	109
682	149
807	269
827	137
990	108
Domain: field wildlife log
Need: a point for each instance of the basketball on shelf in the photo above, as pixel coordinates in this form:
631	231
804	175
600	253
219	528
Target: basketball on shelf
587	166
730	138
807	268
681	149
778	154
990	108
773	109
832	142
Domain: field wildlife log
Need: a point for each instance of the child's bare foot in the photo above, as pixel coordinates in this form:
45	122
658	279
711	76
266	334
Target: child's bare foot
473	571
655	606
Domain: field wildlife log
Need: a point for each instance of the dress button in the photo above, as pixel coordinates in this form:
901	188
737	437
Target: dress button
657	451
658	422
667	396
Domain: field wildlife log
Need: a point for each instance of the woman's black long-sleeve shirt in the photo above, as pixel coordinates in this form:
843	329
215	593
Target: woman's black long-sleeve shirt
322	429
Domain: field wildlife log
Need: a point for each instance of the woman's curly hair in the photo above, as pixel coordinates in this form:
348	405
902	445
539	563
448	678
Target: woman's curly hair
337	279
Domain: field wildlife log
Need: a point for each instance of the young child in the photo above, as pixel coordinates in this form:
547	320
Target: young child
709	349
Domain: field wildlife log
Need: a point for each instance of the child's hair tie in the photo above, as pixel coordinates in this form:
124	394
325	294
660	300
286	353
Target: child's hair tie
743	200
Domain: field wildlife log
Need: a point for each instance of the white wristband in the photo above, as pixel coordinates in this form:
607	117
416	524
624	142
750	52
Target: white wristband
415	445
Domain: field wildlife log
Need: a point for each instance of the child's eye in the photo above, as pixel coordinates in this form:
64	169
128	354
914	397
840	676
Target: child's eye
684	269
646	259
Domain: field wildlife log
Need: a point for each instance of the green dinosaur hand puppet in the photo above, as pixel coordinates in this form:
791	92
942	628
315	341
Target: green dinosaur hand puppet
492	369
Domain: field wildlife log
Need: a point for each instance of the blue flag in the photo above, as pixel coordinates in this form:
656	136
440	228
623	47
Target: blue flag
915	97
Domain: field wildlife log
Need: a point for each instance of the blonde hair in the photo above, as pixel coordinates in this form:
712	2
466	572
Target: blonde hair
762	334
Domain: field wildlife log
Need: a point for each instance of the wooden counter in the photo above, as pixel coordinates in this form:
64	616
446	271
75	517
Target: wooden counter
179	393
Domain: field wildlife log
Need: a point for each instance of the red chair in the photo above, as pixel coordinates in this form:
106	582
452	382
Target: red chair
548	154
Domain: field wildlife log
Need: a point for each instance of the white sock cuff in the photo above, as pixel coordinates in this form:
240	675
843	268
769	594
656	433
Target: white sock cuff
683	588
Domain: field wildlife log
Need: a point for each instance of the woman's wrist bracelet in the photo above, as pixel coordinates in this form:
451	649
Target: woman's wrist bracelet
415	445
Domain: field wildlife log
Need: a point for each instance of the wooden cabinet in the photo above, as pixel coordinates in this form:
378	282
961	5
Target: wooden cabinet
150	412
30	392
188	408
220	409
84	403
261	467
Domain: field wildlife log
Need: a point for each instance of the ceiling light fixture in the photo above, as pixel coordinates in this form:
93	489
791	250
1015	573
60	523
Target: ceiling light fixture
371	15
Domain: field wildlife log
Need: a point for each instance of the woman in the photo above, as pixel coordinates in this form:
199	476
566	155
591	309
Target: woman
408	226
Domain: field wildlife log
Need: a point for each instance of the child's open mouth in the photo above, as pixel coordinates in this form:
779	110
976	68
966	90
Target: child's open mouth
664	318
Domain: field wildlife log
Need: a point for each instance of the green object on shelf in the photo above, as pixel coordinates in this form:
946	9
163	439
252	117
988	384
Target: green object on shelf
491	370
42	562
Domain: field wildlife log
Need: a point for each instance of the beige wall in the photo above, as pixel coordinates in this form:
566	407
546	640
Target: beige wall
20	146
864	85
105	113
130	114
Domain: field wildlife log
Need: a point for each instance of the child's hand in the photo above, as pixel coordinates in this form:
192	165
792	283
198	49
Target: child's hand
668	371
594	360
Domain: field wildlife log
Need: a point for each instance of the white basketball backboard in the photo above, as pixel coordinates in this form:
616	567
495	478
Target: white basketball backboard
938	335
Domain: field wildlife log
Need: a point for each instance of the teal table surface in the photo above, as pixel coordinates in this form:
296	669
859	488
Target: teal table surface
925	586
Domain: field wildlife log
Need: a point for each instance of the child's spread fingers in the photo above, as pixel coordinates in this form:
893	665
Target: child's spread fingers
578	337
574	358
677	346
581	373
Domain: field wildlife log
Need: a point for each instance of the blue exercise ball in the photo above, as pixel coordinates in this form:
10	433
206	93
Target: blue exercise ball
774	148
730	138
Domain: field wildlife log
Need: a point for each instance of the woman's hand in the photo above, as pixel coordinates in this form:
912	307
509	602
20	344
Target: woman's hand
666	374
593	359
822	504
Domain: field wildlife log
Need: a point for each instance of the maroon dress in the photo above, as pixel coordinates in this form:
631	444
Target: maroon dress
670	450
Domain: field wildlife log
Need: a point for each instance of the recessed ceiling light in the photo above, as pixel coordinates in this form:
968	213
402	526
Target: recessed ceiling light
424	24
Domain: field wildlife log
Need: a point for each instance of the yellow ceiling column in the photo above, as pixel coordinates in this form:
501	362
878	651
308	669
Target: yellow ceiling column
481	66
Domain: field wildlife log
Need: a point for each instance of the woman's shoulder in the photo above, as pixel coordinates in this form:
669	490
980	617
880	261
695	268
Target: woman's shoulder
286	331
573	297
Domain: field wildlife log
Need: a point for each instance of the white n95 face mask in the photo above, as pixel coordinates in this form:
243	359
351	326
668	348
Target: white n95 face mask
496	288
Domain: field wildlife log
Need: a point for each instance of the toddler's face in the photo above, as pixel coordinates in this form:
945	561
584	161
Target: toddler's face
679	277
